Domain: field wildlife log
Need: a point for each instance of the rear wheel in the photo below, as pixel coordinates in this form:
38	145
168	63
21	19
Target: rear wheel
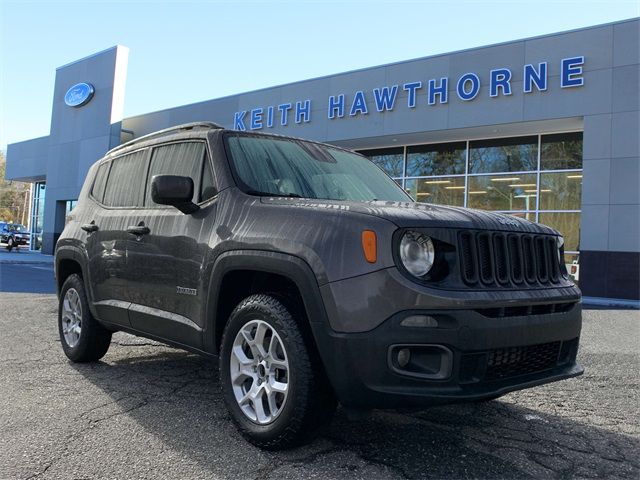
83	338
274	387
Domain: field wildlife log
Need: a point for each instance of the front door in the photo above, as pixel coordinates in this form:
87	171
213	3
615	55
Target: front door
169	253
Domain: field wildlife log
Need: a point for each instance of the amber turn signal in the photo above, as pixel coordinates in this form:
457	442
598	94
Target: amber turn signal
369	246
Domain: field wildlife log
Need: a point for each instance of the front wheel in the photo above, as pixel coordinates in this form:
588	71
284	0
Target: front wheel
83	338
10	244
274	387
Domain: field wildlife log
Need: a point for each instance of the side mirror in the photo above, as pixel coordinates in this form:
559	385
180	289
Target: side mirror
175	191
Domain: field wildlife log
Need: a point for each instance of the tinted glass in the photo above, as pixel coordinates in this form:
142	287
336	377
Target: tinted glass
184	159
560	191
391	160
561	151
293	167
503	155
503	192
441	191
126	180
440	159
101	181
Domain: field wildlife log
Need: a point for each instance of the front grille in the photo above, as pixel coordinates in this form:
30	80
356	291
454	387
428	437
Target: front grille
508	259
516	361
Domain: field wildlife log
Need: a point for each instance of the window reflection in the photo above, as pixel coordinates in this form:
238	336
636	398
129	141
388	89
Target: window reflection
561	151
560	191
503	192
503	155
440	191
437	159
391	160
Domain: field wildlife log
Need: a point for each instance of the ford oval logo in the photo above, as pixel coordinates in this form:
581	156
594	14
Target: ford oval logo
79	94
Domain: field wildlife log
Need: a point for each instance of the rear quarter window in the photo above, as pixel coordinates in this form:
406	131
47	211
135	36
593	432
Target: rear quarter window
99	184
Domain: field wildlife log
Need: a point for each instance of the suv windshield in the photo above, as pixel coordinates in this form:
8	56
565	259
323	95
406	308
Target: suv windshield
294	168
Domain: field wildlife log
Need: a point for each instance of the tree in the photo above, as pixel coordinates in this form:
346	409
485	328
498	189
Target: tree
14	197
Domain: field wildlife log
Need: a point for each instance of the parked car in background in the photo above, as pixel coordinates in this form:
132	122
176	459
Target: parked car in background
14	235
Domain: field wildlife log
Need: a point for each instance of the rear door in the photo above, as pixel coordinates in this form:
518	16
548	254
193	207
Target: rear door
167	298
118	193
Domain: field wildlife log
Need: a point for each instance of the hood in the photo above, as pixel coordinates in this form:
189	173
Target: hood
411	214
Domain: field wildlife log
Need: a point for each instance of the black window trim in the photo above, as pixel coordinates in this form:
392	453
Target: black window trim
147	160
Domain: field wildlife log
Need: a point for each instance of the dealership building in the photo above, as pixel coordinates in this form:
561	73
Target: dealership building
544	128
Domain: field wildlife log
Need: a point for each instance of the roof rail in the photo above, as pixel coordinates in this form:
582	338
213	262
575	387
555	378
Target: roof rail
166	131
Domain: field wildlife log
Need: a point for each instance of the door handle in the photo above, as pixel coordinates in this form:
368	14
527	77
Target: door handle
138	230
90	227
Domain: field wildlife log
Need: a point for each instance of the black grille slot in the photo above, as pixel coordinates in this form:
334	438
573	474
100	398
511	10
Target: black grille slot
502	260
554	265
529	255
542	264
468	258
516	361
515	255
485	258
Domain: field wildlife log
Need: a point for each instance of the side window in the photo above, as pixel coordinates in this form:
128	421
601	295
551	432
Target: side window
126	180
207	187
183	159
100	182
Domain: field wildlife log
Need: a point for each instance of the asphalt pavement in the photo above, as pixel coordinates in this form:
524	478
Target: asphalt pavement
150	411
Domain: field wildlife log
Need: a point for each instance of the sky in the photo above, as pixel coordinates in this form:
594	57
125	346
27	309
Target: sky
183	52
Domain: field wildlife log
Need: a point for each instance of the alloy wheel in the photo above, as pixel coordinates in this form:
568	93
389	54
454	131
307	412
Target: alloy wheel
259	370
71	317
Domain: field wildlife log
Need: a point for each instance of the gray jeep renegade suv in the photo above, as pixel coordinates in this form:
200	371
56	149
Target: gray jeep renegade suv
312	276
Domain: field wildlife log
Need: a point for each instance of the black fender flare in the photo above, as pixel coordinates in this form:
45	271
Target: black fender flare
286	265
76	254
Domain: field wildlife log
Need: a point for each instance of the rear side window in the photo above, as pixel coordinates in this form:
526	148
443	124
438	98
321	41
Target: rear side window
126	180
184	159
100	182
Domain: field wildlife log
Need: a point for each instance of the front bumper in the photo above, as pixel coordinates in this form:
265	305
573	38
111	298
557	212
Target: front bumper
485	352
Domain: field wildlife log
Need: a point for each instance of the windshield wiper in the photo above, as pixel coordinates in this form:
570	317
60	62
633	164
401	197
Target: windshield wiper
269	194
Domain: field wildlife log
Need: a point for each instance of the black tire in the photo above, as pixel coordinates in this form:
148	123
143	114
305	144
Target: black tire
94	339
10	244
309	403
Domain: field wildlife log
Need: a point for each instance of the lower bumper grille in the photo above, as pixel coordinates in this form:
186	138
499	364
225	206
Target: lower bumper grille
510	362
515	361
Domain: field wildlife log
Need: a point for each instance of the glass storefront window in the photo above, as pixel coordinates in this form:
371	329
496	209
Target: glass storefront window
567	223
440	191
516	154
391	160
37	215
561	151
438	159
560	191
503	192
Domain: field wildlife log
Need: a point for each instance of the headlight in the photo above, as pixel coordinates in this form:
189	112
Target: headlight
417	253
